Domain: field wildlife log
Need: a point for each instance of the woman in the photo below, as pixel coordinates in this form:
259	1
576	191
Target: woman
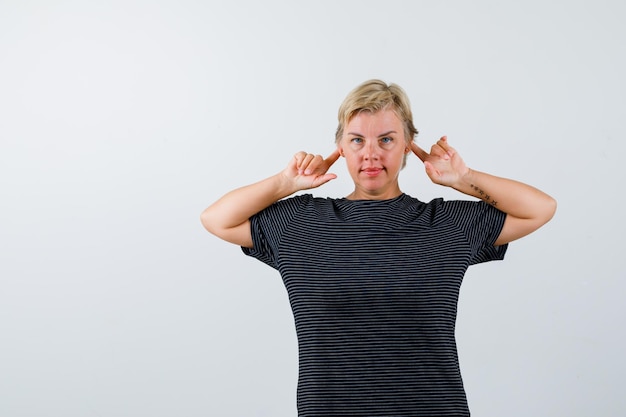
373	278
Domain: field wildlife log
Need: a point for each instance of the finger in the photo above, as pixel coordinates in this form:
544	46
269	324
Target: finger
299	156
421	154
305	163
323	179
438	151
316	164
443	143
297	159
332	158
431	171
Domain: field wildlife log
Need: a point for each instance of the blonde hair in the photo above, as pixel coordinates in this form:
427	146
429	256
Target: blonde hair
373	96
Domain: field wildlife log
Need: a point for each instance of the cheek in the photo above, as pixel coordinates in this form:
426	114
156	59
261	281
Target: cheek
349	153
350	158
399	158
353	161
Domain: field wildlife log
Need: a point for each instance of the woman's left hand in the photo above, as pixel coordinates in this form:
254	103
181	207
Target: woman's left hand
444	166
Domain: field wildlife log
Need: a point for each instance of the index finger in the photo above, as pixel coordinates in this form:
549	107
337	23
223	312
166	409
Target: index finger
421	154
332	158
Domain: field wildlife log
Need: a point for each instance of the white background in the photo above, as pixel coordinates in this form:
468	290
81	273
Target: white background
120	121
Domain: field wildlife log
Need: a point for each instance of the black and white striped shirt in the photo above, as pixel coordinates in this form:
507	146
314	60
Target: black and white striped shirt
374	286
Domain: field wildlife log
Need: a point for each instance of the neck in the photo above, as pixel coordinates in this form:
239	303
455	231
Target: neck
359	194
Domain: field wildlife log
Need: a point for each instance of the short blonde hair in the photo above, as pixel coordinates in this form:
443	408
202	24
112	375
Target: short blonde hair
373	96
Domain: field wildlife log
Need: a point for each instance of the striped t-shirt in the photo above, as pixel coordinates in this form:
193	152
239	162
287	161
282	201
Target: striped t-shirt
374	286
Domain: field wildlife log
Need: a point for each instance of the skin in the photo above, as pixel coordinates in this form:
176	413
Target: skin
374	147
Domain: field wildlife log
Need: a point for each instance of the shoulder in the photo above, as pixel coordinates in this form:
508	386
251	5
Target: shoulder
292	206
468	207
474	217
461	212
293	201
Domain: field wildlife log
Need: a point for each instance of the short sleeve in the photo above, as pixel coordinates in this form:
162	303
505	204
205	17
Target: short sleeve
482	224
268	226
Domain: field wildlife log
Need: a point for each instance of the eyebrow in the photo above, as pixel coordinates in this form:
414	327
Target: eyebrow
380	136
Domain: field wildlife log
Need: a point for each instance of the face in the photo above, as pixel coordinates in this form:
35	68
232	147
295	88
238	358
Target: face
374	147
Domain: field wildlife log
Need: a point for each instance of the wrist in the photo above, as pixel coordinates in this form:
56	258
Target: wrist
284	185
465	181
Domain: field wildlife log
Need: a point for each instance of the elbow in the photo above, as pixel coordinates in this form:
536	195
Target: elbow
550	210
205	219
214	222
545	213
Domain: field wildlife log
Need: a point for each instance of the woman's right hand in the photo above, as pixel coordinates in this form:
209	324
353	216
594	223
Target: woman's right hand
307	170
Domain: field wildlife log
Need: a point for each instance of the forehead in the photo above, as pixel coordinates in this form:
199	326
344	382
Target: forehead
374	122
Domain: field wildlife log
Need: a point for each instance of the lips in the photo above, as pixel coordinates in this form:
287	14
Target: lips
372	172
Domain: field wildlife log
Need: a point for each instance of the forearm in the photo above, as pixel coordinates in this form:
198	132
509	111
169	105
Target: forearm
237	206
527	208
229	217
512	197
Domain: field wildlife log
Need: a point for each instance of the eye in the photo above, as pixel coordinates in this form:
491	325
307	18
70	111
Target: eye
356	140
386	140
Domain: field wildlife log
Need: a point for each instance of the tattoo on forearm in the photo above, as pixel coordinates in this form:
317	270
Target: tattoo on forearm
484	196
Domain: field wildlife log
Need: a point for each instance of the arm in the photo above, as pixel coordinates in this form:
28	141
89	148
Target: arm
229	217
527	208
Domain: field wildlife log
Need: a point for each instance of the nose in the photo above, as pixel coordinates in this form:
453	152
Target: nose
370	151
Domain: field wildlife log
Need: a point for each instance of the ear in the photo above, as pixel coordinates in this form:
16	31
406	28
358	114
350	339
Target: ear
340	149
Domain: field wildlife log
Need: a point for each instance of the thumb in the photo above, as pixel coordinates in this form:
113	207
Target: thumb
323	179
431	171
